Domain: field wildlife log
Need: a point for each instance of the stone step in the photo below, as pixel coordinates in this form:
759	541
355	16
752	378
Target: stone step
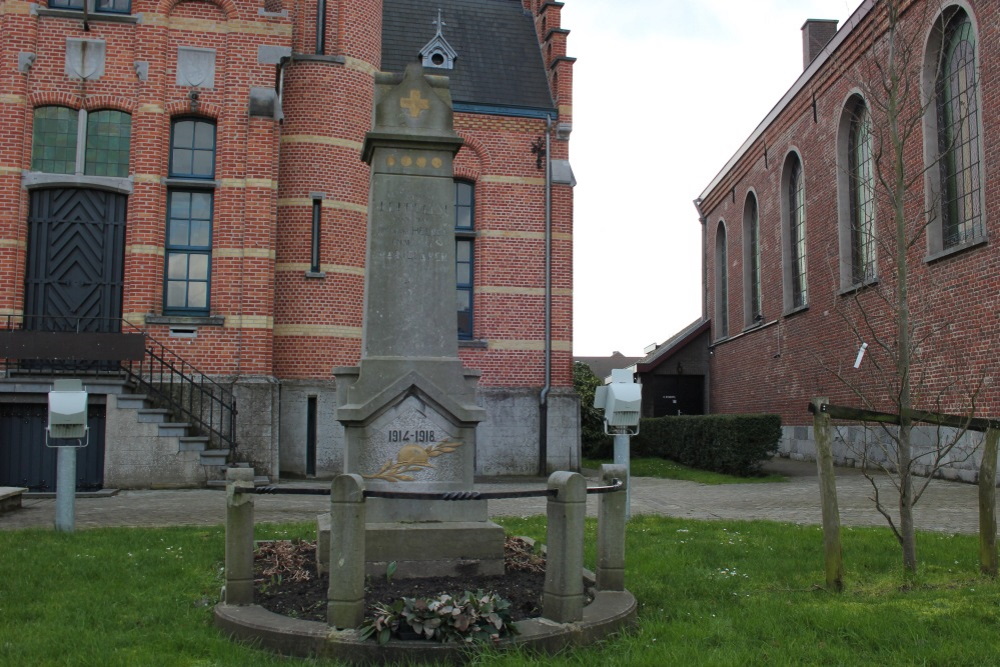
214	457
132	401
153	415
173	429
193	443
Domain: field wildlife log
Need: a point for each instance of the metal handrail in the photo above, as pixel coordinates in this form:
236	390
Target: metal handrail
616	485
170	381
184	390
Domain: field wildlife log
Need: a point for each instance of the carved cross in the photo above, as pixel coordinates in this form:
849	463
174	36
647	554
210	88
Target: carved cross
414	103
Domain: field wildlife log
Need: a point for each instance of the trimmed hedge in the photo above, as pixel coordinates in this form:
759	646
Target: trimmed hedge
730	444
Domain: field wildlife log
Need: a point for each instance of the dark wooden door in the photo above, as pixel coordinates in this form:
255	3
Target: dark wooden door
76	253
675	395
26	461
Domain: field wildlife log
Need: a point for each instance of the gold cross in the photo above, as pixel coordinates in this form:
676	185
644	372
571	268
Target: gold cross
414	103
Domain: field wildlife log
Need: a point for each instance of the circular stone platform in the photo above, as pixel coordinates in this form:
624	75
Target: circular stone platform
609	612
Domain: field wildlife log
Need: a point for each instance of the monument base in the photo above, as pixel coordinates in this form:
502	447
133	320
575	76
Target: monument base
429	549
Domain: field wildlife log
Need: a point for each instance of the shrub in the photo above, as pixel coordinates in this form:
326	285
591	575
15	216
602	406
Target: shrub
467	617
595	443
730	444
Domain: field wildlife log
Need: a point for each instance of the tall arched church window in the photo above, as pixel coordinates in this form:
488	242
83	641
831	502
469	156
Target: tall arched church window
721	282
861	193
794	234
958	133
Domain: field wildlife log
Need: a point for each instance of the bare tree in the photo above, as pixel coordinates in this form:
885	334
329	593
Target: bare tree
912	362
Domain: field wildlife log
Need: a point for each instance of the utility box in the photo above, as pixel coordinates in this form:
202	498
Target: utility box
67	411
621	400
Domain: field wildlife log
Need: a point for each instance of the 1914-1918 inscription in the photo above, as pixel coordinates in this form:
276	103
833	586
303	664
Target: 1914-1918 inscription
399	435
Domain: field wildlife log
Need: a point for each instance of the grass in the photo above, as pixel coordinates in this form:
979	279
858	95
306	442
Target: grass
710	593
664	469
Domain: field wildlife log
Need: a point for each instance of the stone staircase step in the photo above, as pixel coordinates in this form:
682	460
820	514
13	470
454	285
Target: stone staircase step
179	429
193	443
153	415
214	457
132	401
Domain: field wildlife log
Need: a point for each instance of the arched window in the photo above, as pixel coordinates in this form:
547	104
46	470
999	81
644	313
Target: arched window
721	283
861	193
794	233
55	148
190	212
959	148
465	232
753	313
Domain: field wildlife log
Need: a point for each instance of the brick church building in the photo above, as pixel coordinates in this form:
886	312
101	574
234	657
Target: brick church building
800	233
189	171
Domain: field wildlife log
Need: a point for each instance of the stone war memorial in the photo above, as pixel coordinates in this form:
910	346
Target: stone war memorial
406	505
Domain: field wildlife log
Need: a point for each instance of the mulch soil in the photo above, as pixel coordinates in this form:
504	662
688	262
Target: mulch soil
286	582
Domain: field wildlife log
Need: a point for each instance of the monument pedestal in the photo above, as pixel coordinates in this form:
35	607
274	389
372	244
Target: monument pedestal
409	408
435	549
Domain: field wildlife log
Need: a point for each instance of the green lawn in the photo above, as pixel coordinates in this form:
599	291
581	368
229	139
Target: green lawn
710	593
664	469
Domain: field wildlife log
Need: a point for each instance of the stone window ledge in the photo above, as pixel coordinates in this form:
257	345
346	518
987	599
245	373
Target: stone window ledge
476	344
795	311
955	250
180	320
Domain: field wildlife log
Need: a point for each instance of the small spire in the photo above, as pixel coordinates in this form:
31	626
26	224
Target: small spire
438	52
439	23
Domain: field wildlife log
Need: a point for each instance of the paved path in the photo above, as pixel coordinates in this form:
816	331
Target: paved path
946	506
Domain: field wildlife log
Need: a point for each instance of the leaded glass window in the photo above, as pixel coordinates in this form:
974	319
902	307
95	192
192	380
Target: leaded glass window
958	134
54	137
465	215
861	184
797	233
721	282
56	147
751	231
109	135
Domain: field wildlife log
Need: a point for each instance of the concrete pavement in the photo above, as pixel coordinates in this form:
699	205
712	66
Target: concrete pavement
945	507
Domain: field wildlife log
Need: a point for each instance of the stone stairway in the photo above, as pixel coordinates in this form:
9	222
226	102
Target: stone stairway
165	428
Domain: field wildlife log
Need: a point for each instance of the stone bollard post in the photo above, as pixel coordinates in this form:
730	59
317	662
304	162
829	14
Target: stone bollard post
562	600
239	536
611	520
346	595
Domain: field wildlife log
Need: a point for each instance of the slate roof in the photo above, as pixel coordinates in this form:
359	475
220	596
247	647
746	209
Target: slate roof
675	343
499	58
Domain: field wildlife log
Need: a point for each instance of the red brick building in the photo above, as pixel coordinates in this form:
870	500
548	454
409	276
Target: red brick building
191	170
799	233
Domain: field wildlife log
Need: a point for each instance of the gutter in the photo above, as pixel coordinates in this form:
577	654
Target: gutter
543	412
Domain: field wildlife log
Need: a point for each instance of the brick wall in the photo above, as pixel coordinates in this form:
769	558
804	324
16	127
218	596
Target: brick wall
279	321
779	366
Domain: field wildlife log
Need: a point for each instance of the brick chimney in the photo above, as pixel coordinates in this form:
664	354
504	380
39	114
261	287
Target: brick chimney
816	34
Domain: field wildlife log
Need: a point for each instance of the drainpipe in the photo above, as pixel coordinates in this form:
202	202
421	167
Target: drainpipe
543	434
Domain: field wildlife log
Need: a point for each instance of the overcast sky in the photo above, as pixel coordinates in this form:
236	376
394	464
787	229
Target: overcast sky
664	93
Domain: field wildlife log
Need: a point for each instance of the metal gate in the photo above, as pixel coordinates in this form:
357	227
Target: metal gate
26	461
76	253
